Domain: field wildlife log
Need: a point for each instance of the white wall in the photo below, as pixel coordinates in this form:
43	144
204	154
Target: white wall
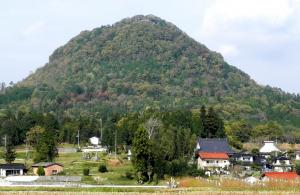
220	163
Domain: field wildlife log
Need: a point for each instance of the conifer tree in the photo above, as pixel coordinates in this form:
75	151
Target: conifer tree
10	154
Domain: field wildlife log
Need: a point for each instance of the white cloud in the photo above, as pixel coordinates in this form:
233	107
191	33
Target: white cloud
34	28
222	14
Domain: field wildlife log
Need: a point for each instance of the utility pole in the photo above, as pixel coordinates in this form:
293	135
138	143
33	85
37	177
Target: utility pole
101	136
116	144
78	139
26	150
5	141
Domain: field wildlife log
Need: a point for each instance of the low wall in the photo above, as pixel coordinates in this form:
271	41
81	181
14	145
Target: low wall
43	178
59	178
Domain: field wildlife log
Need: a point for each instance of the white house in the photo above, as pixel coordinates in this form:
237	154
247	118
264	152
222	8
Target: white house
12	169
207	160
268	148
297	153
244	158
282	164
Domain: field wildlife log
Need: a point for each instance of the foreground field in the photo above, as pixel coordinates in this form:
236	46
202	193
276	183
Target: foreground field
179	192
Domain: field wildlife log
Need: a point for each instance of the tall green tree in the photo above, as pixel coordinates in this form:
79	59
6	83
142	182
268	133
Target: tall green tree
141	154
46	148
213	125
9	154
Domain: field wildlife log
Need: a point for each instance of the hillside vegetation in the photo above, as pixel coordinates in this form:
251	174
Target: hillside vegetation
145	62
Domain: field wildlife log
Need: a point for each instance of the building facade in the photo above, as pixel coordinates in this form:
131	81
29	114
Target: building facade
49	168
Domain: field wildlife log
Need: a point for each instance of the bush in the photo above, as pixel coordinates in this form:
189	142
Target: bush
86	172
40	171
129	175
297	168
177	167
195	172
102	168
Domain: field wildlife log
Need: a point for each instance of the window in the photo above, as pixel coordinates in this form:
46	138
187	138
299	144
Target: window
207	162
217	161
224	161
54	172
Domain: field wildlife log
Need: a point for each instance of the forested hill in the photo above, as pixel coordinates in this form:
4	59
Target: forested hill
143	62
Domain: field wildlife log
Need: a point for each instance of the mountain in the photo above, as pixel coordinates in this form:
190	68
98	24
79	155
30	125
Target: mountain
143	62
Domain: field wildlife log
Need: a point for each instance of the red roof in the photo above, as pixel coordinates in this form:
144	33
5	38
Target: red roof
213	155
281	175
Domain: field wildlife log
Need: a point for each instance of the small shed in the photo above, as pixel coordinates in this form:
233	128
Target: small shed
12	169
50	168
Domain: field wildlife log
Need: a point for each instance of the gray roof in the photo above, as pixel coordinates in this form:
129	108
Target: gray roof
214	145
45	164
12	166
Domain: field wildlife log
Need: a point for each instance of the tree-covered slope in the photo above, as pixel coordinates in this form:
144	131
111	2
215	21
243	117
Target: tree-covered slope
143	62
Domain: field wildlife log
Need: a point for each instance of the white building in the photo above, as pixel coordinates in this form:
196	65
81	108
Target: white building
268	147
208	160
297	153
282	164
11	169
245	158
94	141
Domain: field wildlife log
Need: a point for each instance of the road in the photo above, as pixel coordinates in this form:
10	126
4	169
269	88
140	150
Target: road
76	185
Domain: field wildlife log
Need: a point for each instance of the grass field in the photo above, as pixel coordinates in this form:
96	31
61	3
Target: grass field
74	164
119	169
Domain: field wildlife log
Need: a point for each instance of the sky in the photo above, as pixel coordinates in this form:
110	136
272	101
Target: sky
261	37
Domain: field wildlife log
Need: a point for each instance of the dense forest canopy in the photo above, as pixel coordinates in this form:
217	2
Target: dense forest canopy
120	71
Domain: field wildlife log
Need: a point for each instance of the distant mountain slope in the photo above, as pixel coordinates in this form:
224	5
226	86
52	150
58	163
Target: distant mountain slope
143	62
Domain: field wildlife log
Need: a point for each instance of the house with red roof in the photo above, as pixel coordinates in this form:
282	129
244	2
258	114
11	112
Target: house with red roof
279	176
208	160
213	153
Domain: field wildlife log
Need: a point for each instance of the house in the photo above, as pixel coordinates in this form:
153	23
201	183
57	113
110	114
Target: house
268	148
50	168
297	155
279	176
208	160
243	157
282	164
213	153
12	169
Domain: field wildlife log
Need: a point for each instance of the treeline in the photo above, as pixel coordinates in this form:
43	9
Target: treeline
16	124
204	123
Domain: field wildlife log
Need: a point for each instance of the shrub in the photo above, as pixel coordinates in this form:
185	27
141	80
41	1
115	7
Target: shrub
40	171
297	168
195	172
177	167
102	168
129	175
86	172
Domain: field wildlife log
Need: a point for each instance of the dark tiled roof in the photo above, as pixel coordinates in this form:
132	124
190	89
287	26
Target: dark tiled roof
46	164
214	145
12	166
242	154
